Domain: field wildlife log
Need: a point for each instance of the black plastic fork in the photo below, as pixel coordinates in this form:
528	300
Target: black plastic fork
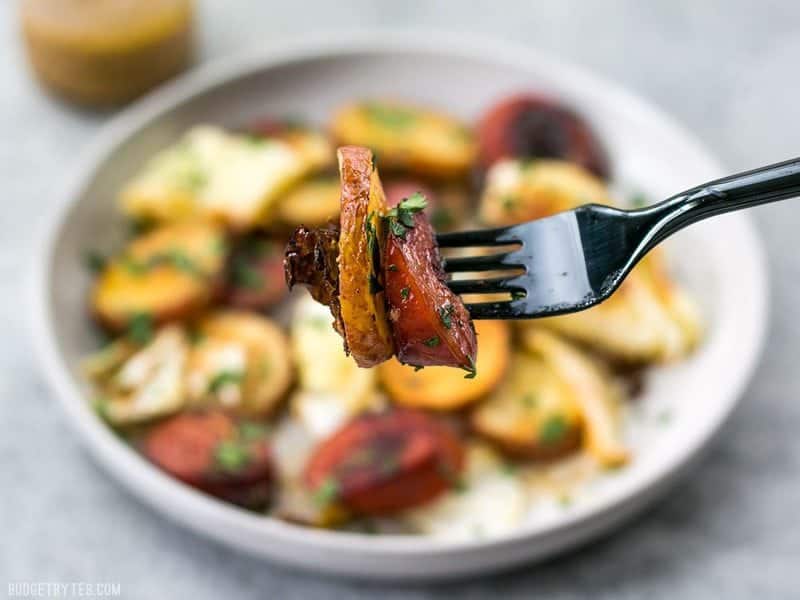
578	258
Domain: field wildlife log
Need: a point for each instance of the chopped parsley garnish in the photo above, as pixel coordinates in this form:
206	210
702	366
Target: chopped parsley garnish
231	456
446	315
224	378
247	276
517	294
405	292
194	180
401	217
140	328
181	261
509	469
327	492
374	254
174	257
133	266
529	401
508	202
390	117
553	429
638	200
94	261
432	342
100	406
472	370
250	431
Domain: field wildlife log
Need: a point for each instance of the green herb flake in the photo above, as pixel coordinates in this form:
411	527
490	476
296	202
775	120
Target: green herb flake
638	200
404	293
231	456
194	180
100	407
246	276
508	202
94	261
446	315
224	378
140	328
418	368
553	429
397	228
181	261
529	401
401	217
471	370
432	342
133	266
509	468
327	492
518	294
250	431
392	267
389	117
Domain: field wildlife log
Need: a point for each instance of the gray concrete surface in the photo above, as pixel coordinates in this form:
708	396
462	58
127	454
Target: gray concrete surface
727	69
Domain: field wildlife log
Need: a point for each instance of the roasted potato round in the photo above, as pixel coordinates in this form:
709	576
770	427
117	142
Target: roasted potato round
407	138
255	278
311	203
215	453
383	463
145	383
595	394
366	326
167	274
531	126
240	362
445	388
533	414
518	191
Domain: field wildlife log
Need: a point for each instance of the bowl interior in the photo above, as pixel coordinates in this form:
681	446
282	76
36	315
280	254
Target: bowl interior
719	259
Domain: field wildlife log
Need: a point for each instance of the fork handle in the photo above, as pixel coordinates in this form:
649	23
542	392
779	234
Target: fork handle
775	182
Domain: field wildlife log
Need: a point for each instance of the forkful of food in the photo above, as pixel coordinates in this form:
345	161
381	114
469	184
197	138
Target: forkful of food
380	271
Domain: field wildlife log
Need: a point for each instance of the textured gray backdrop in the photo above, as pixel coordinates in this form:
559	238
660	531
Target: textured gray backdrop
727	69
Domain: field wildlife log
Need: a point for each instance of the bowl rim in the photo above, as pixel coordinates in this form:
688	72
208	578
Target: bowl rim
211	516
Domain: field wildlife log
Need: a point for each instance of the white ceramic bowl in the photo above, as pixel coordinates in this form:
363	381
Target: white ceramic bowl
721	260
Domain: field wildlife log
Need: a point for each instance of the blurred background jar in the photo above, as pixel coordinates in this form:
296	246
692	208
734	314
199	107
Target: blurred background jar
107	52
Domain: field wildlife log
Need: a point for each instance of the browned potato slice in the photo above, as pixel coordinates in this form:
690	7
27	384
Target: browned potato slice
594	393
648	319
407	138
311	203
239	362
533	414
166	274
366	327
445	388
522	190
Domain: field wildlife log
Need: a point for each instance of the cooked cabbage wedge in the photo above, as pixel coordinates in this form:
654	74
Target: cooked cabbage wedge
522	190
331	387
233	178
147	384
446	388
240	362
533	414
595	394
163	275
488	501
407	138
